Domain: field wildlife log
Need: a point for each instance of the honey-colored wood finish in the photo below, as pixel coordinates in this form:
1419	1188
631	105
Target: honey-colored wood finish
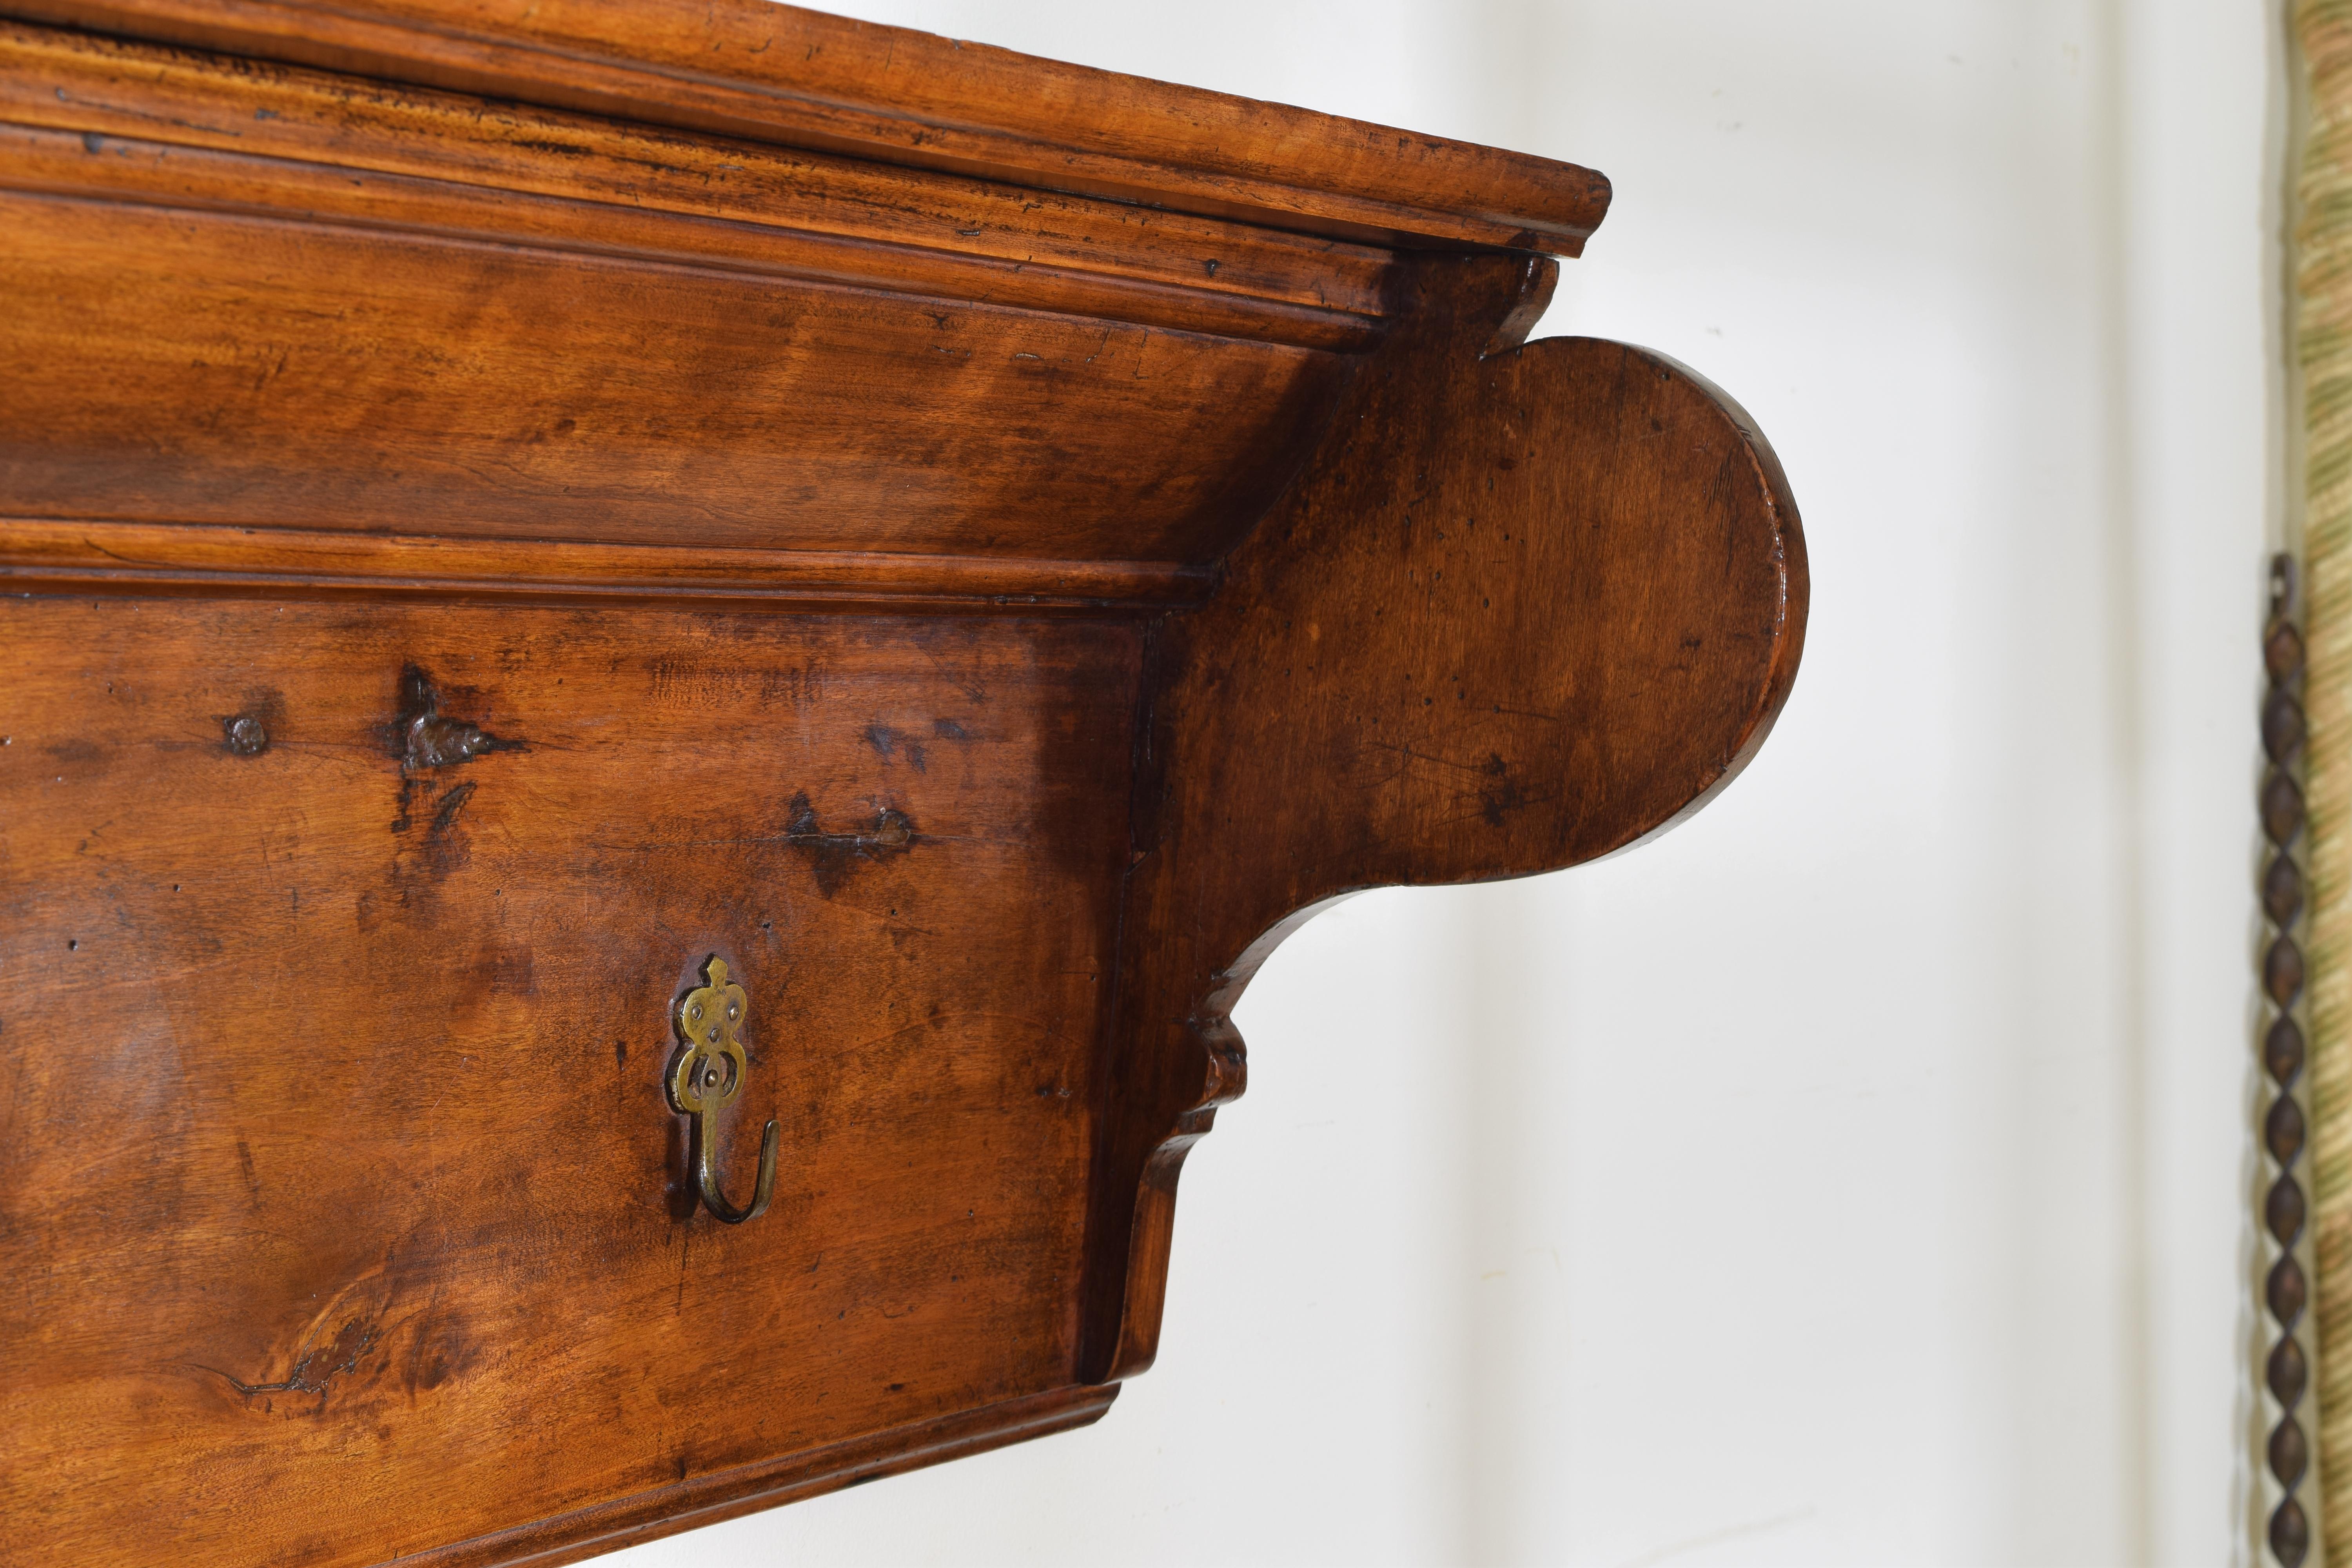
778	73
503	504
1521	611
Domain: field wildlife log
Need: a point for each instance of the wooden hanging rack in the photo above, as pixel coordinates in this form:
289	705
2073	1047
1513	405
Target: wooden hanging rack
588	579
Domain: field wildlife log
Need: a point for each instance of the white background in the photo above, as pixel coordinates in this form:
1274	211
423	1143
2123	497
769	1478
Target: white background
1857	1175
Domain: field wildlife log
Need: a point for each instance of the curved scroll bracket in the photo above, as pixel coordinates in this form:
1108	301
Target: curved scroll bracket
1524	607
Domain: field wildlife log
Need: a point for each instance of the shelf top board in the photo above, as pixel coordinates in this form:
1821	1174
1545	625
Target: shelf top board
762	72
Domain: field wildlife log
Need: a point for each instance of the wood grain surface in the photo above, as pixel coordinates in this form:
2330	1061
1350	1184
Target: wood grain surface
344	1214
265	373
503	503
778	73
1524	608
145	122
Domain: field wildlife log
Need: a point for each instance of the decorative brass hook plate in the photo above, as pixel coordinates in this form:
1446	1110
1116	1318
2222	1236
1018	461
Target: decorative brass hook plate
708	1077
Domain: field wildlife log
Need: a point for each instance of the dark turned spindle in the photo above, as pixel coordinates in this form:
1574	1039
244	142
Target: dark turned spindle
2284	1210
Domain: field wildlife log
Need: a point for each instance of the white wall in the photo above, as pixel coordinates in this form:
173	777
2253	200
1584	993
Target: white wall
1857	1175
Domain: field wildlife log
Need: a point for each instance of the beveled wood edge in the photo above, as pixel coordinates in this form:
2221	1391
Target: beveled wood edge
750	1488
73	555
115	120
455	214
799	77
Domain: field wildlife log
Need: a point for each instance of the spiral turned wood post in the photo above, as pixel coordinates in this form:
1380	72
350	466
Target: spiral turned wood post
2286	1290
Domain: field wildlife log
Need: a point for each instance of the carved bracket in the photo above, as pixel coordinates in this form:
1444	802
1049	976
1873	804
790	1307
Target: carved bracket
1521	610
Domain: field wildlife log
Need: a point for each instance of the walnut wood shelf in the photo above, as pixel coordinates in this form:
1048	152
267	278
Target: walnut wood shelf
504	503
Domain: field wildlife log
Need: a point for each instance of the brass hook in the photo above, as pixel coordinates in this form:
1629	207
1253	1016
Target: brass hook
709	1076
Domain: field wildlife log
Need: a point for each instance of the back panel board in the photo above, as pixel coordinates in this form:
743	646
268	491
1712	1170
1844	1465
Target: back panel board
340	946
